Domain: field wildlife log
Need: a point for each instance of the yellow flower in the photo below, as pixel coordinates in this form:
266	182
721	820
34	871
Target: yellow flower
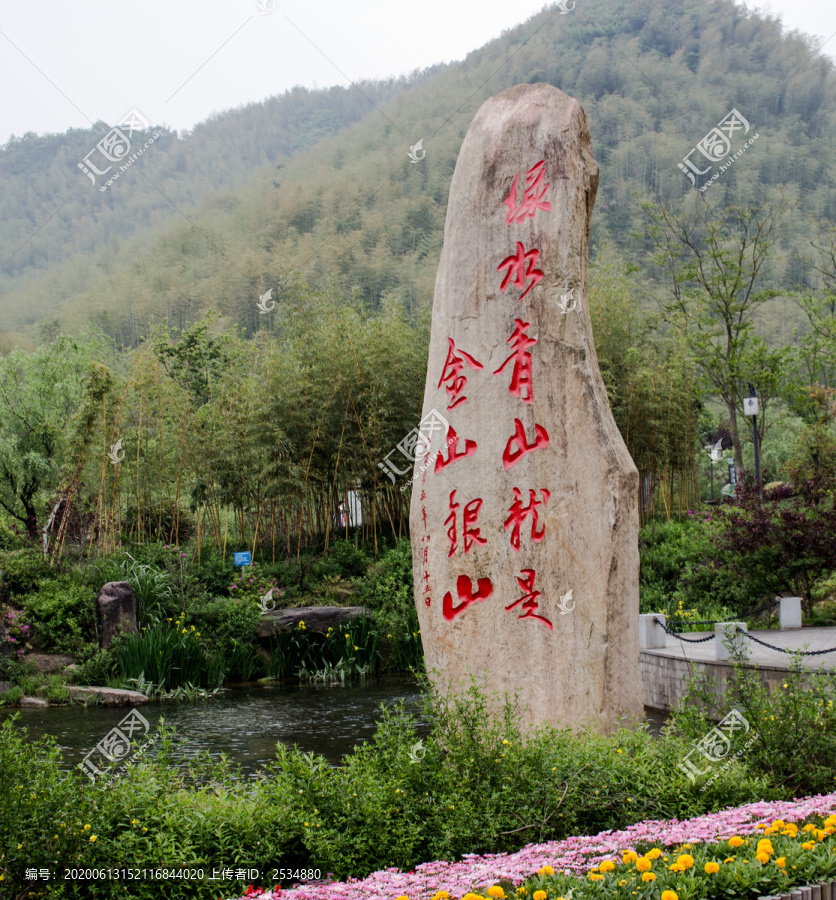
648	876
607	865
712	868
643	864
496	892
619	751
820	835
736	841
808	845
539	895
629	856
781	862
686	861
403	897
762	858
809	827
86	827
730	859
670	895
547	870
622	882
183	631
778	823
594	876
677	867
829	822
765	846
92	838
655	853
505	741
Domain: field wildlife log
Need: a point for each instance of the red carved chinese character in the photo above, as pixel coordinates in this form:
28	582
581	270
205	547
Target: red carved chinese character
529	601
511	455
464	588
424	516
532	201
426	554
521	377
521	267
451	372
470	534
519	512
453	452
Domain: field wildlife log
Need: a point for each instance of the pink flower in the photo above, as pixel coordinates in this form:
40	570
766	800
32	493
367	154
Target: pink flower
572	855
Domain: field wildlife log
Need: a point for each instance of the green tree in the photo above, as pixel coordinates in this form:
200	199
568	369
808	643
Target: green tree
715	256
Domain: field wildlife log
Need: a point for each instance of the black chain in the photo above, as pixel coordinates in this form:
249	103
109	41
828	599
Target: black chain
783	649
687	640
746	634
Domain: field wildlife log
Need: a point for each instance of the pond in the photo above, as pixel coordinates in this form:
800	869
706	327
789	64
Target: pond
247	721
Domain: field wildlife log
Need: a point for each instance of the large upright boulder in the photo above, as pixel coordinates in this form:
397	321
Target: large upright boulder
117	610
525	526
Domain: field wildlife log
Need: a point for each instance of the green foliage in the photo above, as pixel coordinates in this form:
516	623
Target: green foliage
224	621
410	796
62	615
399	801
100	668
170	655
23	571
795	725
677	575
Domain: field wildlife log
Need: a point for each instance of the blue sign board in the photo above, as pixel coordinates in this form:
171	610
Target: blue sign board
243	558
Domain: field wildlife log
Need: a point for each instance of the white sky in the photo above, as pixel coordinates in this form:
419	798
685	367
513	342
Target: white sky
67	64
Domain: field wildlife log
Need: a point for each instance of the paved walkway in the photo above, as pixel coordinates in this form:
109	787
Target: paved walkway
797	639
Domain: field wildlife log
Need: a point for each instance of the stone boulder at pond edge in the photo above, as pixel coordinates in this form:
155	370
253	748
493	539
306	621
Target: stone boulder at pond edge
316	618
117	608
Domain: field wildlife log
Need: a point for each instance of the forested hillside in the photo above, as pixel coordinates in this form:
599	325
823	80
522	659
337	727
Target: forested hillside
352	211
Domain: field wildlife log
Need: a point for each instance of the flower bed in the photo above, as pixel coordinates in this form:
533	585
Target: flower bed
582	856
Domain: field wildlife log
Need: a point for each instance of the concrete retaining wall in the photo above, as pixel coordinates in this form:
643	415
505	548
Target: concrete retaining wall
665	678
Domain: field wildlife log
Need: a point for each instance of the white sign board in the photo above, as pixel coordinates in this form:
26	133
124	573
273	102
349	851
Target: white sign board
750	406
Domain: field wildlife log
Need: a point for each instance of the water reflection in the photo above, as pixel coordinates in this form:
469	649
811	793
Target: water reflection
244	722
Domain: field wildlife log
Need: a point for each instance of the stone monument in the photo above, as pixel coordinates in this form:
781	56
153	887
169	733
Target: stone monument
525	524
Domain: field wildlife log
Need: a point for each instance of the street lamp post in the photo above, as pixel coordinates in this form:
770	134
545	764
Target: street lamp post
751	408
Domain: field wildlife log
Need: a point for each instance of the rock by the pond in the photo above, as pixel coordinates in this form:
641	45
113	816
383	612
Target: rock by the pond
48	663
5	686
117	608
107	696
316	618
524	527
33	702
